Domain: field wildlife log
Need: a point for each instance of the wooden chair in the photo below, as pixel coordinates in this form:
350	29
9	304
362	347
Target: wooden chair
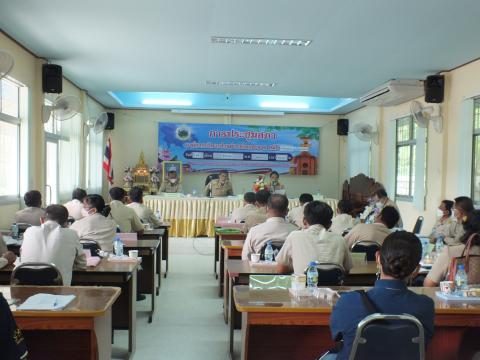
37	274
358	189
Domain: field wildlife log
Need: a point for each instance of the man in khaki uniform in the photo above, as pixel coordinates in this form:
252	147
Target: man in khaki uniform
295	216
145	214
32	213
377	231
125	217
219	187
454	232
172	183
382	200
259	214
240	214
275	229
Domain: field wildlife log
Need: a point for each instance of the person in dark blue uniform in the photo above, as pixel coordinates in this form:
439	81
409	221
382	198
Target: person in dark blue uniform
398	259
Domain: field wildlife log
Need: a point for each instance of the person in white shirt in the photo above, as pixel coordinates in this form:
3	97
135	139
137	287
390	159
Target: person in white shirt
53	243
382	200
75	206
314	242
95	225
7	257
295	215
124	217
145	214
240	214
259	214
275	229
343	221
378	231
33	212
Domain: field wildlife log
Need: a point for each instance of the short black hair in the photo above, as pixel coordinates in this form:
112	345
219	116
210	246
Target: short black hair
400	254
249	197
79	194
136	194
95	201
33	198
278	203
448	206
318	212
471	227
464	203
381	193
117	193
389	216
305	198
345	206
223	172
274	173
262	196
57	213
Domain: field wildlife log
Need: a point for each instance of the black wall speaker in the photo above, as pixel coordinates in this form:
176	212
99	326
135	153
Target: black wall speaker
434	88
52	78
342	127
110	122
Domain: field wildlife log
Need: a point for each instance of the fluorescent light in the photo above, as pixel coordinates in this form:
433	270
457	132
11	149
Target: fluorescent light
283	105
228	112
167	102
240	83
259	41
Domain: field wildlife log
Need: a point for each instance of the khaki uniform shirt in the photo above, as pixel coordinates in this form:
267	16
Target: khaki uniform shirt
74	208
314	244
275	229
168	187
96	227
216	189
255	217
295	215
51	243
240	214
30	215
3	250
452	232
367	232
340	223
125	217
145	214
276	189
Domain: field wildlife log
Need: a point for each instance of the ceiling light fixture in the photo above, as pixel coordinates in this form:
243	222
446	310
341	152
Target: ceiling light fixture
167	102
240	83
283	105
259	41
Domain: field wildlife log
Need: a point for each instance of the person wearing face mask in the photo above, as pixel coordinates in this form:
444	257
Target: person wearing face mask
96	225
275	186
382	200
444	218
172	183
453	232
219	187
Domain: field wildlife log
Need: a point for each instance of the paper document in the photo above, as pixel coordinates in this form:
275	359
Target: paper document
46	302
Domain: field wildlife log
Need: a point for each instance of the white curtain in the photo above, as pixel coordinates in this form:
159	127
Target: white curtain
465	134
69	156
420	190
95	163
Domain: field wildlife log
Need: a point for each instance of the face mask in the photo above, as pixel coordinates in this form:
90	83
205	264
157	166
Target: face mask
173	181
439	213
379	205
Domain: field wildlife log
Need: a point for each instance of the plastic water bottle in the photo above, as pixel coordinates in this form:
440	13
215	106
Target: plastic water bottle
460	278
158	215
118	246
269	252
312	275
14	231
439	244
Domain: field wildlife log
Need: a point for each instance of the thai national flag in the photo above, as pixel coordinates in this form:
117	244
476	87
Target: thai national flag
107	161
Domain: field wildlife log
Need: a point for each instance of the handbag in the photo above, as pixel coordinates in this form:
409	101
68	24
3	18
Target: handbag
470	262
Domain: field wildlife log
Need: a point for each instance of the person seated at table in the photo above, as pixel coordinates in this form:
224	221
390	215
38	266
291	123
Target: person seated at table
145	214
124	217
454	232
444	218
314	242
274	229
96	225
397	259
382	200
172	183
240	214
7	257
219	187
53	243
33	212
295	215
343	220
12	342
75	206
259	214
378	231
275	186
441	266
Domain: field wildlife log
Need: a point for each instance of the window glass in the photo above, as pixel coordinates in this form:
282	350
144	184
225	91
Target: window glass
9	159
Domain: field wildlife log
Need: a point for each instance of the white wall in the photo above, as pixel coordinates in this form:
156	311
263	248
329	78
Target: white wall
137	130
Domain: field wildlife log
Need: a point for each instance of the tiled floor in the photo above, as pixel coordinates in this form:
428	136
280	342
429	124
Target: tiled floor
188	321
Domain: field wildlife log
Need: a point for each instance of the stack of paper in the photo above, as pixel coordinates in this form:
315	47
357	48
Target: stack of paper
46	302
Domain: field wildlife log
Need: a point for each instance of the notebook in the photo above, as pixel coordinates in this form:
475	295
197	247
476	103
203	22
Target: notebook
46	302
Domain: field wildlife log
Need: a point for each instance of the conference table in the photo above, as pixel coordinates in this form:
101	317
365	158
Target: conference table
275	323
195	216
82	330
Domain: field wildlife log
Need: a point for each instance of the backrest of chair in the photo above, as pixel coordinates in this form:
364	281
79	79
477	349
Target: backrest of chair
210	178
330	274
277	247
367	247
401	337
22	227
36	273
91	245
418	225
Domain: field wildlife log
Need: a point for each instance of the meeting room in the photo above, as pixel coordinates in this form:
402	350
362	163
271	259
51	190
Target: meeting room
253	180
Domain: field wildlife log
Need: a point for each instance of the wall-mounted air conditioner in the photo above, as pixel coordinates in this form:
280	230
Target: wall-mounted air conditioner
393	92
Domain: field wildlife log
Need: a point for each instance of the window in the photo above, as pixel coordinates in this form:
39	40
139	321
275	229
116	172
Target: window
476	152
9	139
406	140
94	154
